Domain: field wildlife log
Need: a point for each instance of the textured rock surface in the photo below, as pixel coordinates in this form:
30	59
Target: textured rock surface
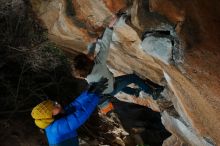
191	78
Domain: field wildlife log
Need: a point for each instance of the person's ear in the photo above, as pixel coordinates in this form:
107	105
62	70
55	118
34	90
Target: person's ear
56	110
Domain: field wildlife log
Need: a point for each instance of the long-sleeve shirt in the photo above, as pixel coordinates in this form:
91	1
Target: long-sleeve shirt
100	69
62	132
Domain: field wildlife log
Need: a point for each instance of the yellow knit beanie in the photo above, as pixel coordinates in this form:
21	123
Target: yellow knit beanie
42	113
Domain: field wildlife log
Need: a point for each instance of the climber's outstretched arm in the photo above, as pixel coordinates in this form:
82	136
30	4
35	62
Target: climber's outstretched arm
103	44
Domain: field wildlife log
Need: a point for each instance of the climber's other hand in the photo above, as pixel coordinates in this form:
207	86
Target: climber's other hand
98	87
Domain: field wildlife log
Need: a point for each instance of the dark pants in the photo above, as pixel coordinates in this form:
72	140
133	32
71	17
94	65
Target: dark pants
122	82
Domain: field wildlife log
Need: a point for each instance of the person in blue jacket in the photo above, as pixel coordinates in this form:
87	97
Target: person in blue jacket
62	131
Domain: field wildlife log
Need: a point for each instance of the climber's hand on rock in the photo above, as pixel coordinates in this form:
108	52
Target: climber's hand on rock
113	21
120	13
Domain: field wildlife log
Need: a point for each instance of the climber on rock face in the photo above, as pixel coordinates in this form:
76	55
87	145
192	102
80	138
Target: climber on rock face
92	68
60	124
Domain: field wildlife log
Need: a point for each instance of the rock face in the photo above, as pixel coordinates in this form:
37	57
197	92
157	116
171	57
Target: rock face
186	64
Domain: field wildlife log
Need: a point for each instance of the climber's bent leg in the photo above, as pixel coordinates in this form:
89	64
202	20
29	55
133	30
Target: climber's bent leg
131	91
122	82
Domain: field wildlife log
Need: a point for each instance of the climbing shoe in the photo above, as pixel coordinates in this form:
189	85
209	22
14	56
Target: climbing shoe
156	93
137	92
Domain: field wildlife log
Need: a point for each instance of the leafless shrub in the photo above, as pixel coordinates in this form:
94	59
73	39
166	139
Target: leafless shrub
45	57
31	67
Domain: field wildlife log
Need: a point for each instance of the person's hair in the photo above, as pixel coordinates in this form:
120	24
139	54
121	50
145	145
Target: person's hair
83	64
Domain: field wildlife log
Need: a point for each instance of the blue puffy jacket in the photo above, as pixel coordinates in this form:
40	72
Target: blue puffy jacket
62	132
